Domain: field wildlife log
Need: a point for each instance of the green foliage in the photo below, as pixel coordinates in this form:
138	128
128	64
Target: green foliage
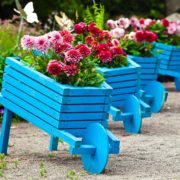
3	164
42	170
71	175
132	47
95	13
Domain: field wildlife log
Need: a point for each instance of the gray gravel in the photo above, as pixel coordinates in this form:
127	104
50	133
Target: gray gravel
153	154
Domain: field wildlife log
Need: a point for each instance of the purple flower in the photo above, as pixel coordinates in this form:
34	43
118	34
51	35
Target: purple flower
1	110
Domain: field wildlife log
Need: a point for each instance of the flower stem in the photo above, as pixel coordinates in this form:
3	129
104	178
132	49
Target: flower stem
19	32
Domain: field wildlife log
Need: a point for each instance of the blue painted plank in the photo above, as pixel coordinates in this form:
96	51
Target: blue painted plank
121	78
108	72
38	122
55	86
125	90
146	71
143	60
148	76
163	46
83	116
36	103
121	97
169	73
30	108
80	124
83	149
133	83
118	104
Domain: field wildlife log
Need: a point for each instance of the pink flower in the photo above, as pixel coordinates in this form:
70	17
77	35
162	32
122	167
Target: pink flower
55	67
84	50
80	28
67	36
148	22
105	56
171	29
111	24
27	42
62	48
123	23
141	23
117	32
132	35
55	38
134	21
71	70
73	56
115	42
41	43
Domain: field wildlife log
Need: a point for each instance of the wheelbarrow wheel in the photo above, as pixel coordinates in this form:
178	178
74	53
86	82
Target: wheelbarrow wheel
97	136
177	84
157	90
132	105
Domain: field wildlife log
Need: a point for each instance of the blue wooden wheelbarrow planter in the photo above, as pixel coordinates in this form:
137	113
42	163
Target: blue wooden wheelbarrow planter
152	92
169	60
127	105
77	115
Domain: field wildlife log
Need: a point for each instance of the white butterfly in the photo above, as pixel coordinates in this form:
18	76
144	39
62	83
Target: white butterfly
28	12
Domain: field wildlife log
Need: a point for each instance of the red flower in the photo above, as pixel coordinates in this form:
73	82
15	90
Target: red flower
73	56
165	22
61	48
89	40
84	50
80	28
54	67
141	21
104	35
67	36
150	36
94	30
140	36
117	51
71	70
103	47
105	56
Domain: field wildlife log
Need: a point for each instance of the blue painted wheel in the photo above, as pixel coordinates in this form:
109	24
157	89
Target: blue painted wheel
97	136
157	90
177	84
132	106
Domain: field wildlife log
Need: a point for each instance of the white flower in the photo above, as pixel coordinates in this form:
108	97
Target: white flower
28	12
131	35
117	32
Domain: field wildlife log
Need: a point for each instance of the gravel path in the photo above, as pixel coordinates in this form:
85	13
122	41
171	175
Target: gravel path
153	154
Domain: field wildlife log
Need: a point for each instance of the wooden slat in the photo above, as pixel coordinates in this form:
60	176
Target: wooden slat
133	83
122	78
125	90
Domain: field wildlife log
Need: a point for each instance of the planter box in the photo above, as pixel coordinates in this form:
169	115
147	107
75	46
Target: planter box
149	68
169	57
123	80
33	95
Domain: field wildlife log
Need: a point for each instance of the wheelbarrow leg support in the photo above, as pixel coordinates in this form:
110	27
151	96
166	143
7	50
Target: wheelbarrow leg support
177	84
158	95
53	146
5	130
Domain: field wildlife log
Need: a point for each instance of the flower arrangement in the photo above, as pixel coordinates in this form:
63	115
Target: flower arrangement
105	49
168	31
59	58
139	43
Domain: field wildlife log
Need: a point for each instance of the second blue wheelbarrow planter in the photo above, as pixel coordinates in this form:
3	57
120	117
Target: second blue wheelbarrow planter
152	91
126	104
169	61
77	115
